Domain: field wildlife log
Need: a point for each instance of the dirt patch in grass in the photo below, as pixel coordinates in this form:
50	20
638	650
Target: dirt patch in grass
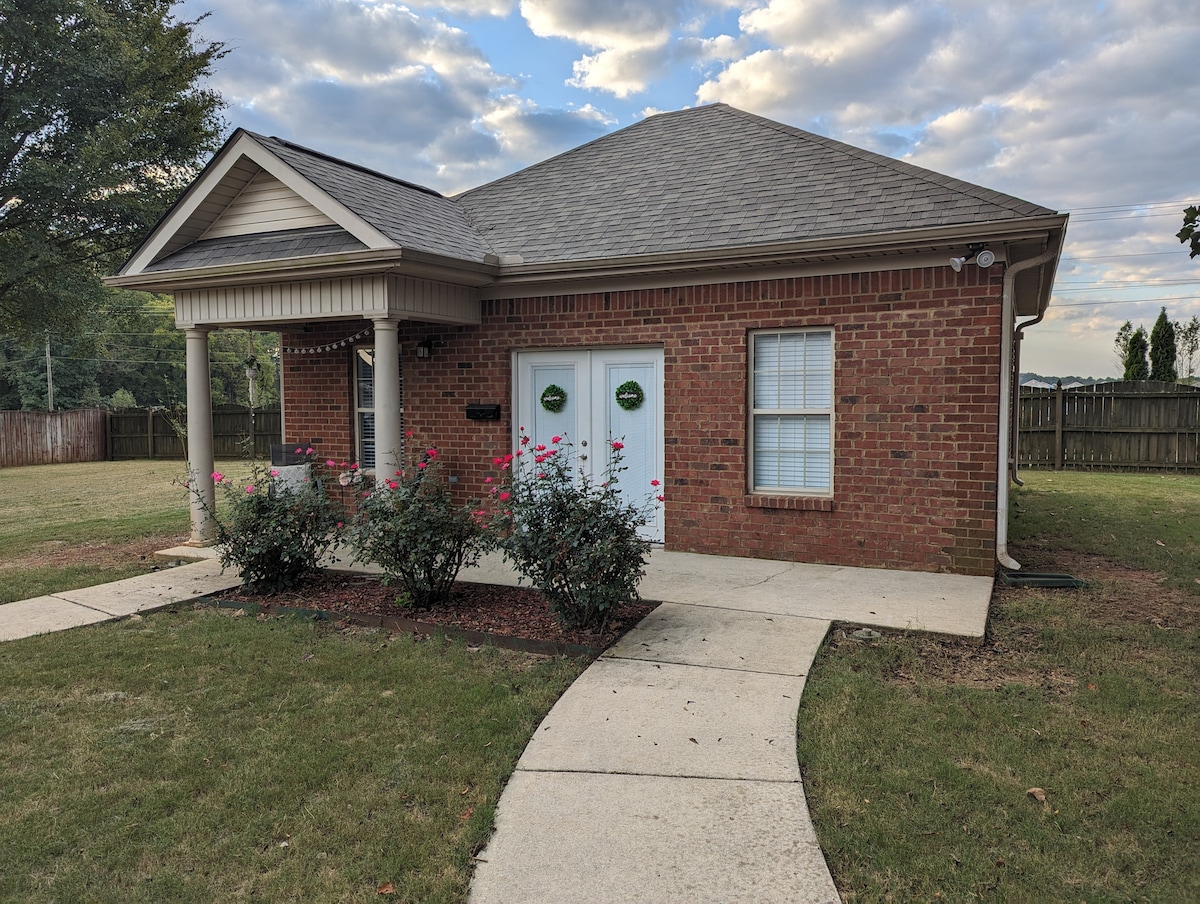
1114	596
487	608
102	554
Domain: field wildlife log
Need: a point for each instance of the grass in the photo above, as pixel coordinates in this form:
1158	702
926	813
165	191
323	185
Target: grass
62	526
193	755
1147	521
920	753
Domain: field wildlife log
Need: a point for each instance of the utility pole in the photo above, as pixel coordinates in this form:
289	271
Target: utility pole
49	376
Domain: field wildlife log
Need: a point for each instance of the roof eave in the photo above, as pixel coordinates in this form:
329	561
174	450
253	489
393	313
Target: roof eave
401	261
809	251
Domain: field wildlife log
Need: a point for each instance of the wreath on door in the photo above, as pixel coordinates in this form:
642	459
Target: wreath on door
554	398
630	396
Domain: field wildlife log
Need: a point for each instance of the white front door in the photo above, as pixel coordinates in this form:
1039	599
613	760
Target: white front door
591	416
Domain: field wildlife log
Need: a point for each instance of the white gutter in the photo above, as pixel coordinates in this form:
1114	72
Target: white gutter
1007	318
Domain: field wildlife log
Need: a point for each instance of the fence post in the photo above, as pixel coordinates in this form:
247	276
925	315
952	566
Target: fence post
1058	427
150	432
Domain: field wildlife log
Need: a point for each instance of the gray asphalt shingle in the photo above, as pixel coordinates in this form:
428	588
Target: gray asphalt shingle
240	249
702	179
412	216
716	177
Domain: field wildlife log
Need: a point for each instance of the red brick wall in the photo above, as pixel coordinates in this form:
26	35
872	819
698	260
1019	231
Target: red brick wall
318	389
915	407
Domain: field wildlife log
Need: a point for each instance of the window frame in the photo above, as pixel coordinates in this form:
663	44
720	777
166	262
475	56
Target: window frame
753	414
357	360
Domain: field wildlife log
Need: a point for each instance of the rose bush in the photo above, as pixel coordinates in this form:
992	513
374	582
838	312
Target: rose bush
576	539
274	531
411	527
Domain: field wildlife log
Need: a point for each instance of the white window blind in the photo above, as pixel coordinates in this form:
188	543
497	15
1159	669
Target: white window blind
792	411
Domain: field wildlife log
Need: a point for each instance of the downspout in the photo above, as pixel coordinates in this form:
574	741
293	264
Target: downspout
1014	432
1007	316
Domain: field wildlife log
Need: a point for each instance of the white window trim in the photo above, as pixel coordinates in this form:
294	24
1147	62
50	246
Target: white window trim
360	410
753	413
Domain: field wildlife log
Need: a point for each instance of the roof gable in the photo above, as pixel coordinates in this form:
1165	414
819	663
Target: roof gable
265	205
256	186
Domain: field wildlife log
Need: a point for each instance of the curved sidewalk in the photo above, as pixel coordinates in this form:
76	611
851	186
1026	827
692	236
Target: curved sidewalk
667	772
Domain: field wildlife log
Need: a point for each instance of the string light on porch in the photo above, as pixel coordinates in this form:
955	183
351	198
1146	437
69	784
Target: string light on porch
320	349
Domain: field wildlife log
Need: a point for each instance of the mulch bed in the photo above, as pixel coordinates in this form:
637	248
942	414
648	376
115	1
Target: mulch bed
513	617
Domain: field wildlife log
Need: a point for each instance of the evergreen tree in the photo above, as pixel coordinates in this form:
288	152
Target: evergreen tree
103	121
1121	343
1136	365
1162	349
1187	344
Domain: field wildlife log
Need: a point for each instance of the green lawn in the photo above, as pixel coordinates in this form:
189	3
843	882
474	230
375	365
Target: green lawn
67	526
200	756
920	754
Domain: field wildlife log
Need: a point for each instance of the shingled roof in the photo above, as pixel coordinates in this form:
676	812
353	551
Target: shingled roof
697	181
716	177
411	215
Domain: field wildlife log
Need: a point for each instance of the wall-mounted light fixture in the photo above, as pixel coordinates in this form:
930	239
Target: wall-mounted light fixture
425	347
982	257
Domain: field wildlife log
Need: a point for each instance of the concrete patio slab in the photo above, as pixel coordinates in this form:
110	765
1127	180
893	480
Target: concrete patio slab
650	718
44	614
724	639
906	600
628	838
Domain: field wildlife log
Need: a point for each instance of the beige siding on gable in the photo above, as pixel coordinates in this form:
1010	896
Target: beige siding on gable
265	205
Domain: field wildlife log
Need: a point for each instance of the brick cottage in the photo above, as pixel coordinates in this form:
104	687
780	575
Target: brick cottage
811	345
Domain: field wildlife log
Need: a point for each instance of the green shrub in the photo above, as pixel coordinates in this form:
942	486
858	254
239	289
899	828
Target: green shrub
411	527
577	541
274	532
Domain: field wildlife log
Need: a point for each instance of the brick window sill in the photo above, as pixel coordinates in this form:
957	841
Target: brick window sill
790	503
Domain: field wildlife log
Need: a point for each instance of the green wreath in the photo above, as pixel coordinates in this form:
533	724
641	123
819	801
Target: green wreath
554	398
630	396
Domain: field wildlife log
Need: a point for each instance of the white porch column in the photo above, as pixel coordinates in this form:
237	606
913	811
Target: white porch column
389	437
200	438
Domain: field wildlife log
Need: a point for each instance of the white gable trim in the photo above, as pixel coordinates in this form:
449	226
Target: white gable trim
244	147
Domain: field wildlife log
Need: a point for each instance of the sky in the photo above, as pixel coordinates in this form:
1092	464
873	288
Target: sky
1089	108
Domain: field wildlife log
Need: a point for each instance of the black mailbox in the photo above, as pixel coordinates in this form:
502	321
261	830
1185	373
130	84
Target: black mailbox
479	412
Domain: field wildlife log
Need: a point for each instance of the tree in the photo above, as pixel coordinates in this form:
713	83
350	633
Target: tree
1121	343
1162	349
1187	344
103	121
1136	366
1190	233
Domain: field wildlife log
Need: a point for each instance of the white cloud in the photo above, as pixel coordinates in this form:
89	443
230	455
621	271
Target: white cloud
633	39
498	8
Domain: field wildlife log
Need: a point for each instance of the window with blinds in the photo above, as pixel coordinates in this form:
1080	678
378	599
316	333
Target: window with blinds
791	416
364	406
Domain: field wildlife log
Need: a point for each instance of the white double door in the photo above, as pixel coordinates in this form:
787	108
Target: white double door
591	418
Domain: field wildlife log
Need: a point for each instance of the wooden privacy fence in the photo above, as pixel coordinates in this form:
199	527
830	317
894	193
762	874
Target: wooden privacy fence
158	433
1139	424
51	437
93	434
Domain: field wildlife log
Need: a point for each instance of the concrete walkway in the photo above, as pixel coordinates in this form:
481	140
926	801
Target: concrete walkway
667	772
